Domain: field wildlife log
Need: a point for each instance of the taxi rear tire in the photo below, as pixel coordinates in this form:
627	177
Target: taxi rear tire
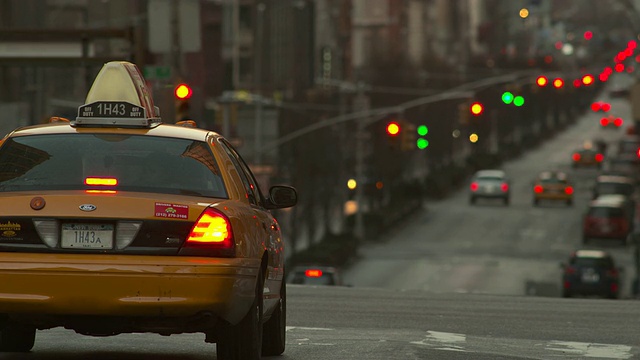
274	330
244	340
17	338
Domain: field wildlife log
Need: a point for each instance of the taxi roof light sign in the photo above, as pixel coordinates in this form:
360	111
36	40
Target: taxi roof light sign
118	97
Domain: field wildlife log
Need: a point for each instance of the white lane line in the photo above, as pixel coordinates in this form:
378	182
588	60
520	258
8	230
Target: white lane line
443	341
288	328
592	350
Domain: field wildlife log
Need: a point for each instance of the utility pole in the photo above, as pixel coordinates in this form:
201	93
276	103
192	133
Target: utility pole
258	83
361	104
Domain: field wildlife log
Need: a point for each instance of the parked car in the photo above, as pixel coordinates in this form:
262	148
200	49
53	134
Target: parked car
315	275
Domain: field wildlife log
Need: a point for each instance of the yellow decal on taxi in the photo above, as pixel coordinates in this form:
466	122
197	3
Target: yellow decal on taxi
9	229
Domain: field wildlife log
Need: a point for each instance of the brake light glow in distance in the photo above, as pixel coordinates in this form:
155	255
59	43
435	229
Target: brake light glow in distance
101	181
212	228
617	122
599	157
606	107
313	273
538	189
604	121
504	187
576	157
568	190
474	185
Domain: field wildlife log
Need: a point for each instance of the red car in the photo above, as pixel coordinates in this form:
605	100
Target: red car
607	218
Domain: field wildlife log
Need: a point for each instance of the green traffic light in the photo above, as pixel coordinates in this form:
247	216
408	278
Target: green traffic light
422	143
507	97
423	130
518	101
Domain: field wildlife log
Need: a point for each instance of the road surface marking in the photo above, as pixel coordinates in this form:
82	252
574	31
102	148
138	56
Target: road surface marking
592	350
307	328
443	341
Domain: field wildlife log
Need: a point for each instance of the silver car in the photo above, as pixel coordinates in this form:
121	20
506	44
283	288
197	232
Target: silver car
490	184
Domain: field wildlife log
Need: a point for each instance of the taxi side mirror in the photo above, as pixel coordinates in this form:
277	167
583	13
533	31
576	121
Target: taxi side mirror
281	196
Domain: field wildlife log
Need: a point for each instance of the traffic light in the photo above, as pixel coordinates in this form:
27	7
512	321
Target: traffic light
558	83
408	136
507	97
393	128
182	93
518	101
422	143
542	81
476	108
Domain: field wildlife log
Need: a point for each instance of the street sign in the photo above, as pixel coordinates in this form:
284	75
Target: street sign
152	72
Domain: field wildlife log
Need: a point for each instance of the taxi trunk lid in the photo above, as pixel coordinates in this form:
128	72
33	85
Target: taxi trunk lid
111	222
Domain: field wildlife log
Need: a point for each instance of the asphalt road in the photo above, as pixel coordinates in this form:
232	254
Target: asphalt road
454	282
491	248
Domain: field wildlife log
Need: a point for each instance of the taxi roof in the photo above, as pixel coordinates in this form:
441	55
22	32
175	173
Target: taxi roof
163	130
553	174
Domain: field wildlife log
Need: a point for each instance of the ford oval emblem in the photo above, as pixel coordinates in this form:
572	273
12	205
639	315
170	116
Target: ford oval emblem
87	207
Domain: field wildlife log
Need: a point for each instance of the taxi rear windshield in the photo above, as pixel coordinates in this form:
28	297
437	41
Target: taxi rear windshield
138	163
553	181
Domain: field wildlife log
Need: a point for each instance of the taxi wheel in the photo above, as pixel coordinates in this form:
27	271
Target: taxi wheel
244	340
17	338
274	330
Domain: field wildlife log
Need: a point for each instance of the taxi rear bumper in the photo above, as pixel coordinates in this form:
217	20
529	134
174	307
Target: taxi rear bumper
72	285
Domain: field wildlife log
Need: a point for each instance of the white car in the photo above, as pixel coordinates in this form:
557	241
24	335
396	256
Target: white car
489	184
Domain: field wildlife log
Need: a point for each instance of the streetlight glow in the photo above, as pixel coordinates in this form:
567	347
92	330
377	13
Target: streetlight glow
524	13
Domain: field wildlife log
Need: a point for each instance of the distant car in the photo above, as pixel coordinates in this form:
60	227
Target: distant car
490	184
590	272
552	185
587	158
611	122
315	275
630	144
614	184
607	218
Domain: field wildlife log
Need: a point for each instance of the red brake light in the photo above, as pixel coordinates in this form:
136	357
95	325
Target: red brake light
604	121
617	122
504	187
474	186
101	181
614	287
596	106
212	230
606	107
576	157
538	189
599	157
613	272
313	273
568	190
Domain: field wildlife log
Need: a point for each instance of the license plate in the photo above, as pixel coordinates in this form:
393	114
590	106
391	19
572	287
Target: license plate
590	277
87	236
490	188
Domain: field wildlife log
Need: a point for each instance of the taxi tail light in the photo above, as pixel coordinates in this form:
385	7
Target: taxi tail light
504	187
576	157
538	189
210	235
599	157
475	186
568	190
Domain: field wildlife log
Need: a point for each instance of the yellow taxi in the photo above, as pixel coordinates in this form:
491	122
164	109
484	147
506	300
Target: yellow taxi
552	185
587	157
114	223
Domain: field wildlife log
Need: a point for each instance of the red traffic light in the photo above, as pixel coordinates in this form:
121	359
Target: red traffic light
558	83
183	91
477	108
542	81
393	128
